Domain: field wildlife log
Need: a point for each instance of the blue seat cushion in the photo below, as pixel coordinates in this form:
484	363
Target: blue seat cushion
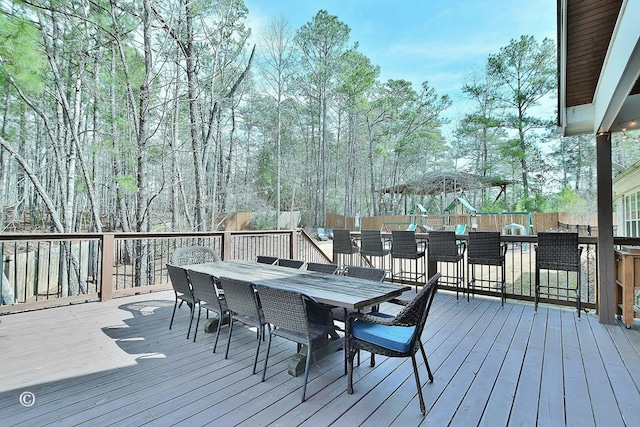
397	338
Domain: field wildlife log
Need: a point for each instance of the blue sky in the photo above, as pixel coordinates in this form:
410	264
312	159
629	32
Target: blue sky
423	40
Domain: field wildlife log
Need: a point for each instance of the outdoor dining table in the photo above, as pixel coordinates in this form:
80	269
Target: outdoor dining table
329	289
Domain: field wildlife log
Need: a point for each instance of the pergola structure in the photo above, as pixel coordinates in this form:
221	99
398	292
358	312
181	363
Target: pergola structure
598	94
445	182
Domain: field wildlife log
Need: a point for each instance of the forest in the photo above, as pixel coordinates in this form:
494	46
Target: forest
147	115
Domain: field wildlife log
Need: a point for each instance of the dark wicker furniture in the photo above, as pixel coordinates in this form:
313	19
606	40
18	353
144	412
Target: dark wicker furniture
406	249
445	248
286	311
210	298
558	251
487	253
398	336
243	303
264	259
183	292
322	268
372	245
290	263
343	245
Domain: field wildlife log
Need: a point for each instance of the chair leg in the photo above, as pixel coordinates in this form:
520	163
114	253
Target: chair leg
266	358
195	333
220	320
192	306
349	359
426	363
260	337
226	353
415	374
175	305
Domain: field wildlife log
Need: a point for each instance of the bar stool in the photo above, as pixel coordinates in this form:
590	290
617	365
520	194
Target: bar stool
445	247
372	245
405	249
558	251
485	250
345	245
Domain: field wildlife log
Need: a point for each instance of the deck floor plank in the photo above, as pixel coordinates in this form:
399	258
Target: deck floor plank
551	405
578	410
601	396
117	363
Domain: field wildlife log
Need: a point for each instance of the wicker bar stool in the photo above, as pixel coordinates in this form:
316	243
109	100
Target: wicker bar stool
558	251
445	248
373	245
487	253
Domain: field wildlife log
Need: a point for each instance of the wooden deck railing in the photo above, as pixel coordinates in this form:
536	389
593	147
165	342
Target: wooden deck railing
43	270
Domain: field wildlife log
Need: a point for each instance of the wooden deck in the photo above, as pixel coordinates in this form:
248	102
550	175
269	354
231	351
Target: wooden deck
117	363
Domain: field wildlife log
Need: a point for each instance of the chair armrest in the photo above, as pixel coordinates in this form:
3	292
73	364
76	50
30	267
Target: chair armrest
381	319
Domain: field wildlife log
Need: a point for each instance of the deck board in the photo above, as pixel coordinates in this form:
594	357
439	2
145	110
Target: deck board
117	363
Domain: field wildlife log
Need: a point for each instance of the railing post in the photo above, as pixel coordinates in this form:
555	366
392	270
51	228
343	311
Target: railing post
226	246
106	278
293	245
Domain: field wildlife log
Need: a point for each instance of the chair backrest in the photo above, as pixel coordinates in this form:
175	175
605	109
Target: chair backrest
179	279
264	259
342	243
284	309
194	255
415	313
403	243
371	242
374	274
241	298
290	263
204	287
558	251
322	268
442	244
485	247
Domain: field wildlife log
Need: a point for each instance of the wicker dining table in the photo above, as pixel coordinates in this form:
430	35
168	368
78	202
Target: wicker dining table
329	289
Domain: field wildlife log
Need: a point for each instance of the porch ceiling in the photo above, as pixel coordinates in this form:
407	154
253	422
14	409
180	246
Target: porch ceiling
599	66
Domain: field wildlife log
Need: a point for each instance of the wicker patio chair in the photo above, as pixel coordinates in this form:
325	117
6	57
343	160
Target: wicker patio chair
375	274
210	298
558	251
444	247
322	268
405	248
486	252
183	292
372	245
194	255
286	311
264	259
398	336
290	263
343	245
243	303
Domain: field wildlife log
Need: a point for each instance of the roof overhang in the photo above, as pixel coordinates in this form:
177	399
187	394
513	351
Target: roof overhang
615	103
